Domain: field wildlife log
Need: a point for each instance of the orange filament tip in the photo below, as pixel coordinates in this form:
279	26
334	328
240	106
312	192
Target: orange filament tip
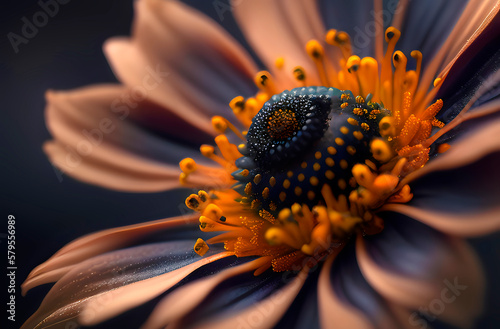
443	147
299	73
314	49
219	124
237	104
207	150
279	63
381	150
187	165
264	81
353	63
200	247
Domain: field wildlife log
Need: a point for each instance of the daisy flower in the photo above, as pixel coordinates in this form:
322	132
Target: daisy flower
332	189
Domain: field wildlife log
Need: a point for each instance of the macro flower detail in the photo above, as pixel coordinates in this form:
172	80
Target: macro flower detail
326	189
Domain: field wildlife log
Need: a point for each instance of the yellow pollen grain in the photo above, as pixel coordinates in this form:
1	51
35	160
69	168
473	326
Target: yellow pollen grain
339	141
316	166
344	130
352	121
248	189
265	193
331	150
298	191
286	183
303	165
351	150
272	181
343	164
342	184
301	177
311	195
317	155
314	181
289	174
273	206
358	135
255	204
329	174
344	105
257	179
282	196
365	126
329	162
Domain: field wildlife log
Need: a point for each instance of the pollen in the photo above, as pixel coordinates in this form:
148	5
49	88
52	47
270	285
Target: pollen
314	164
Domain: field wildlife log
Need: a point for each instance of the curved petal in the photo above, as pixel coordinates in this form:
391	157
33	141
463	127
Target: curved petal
197	66
334	312
278	28
96	143
186	298
100	279
475	17
415	266
264	313
98	243
348	301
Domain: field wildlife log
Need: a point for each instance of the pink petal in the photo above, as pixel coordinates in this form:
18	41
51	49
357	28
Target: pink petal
455	295
135	294
281	29
186	298
98	243
95	142
198	67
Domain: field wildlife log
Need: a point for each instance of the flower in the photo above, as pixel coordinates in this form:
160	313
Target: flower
340	187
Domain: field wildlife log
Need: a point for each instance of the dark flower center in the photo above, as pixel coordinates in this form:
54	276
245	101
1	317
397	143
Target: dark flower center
302	139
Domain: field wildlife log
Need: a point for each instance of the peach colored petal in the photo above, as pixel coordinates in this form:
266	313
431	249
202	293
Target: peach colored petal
97	243
65	303
459	268
270	309
282	29
184	299
135	294
334	313
462	224
197	66
96	143
474	19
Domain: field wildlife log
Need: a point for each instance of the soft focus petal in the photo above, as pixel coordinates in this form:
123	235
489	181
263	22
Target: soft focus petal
334	312
350	302
265	311
281	29
413	265
137	268
101	242
197	66
97	143
186	298
475	18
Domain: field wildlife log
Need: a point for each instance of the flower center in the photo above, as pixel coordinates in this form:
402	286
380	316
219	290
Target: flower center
316	162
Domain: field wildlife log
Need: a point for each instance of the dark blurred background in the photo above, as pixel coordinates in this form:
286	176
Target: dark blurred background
51	208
